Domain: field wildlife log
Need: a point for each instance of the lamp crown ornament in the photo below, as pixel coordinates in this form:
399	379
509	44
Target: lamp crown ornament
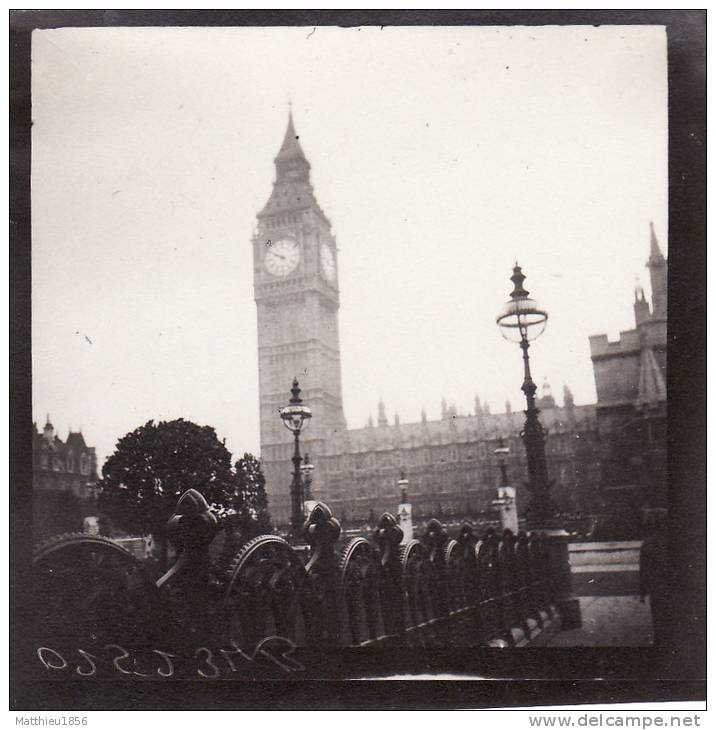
518	278
295	392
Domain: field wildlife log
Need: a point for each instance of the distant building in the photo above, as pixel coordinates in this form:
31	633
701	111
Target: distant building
450	462
630	376
64	475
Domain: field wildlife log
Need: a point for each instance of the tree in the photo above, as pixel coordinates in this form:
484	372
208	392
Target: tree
154	465
249	516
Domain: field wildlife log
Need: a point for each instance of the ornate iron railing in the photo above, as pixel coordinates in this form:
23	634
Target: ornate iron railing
439	591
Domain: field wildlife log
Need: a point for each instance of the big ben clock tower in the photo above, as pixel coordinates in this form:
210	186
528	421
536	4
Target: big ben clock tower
297	299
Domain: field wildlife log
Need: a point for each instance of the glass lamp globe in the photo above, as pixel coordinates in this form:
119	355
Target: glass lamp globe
521	318
295	414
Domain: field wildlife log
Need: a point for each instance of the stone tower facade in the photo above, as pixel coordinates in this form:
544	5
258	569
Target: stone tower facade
297	301
630	377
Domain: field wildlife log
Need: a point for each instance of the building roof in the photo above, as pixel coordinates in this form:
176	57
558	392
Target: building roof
291	148
292	189
76	440
457	429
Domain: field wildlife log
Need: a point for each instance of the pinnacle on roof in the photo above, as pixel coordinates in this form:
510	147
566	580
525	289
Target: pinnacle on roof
382	420
655	255
567	395
638	291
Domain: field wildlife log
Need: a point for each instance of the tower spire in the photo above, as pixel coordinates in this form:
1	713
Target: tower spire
655	255
657	266
291	150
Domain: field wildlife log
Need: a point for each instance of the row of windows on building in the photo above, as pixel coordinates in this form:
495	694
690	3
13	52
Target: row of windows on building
431	455
566	474
70	464
286	219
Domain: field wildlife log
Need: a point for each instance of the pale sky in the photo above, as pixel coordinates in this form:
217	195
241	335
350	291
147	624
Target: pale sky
439	154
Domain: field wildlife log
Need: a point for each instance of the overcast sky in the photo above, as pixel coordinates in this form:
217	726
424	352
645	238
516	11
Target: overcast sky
439	154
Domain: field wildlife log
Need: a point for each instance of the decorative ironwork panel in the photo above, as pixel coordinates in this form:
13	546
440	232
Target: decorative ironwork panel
266	594
359	571
418	582
89	591
489	585
461	567
321	531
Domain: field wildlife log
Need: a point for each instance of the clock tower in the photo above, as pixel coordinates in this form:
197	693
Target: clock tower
297	300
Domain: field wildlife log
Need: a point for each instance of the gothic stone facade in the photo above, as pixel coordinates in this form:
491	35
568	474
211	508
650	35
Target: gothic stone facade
630	376
64	474
450	462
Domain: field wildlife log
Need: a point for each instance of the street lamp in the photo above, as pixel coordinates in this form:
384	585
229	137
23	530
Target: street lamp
294	415
307	477
502	452
522	320
505	501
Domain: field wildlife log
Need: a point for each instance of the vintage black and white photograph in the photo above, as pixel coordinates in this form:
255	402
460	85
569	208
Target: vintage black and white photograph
349	352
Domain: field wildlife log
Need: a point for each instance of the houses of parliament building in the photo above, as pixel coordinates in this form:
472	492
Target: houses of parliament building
608	455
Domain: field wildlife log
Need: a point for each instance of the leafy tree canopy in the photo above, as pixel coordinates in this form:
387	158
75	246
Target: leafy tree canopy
154	464
252	515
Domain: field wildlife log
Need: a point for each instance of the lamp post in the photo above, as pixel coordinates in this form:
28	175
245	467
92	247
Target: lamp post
405	510
523	320
505	501
294	415
501	452
307	478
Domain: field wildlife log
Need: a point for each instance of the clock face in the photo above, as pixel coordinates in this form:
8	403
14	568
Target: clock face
282	256
328	264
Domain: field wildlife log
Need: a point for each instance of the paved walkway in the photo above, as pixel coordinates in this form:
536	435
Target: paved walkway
609	621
